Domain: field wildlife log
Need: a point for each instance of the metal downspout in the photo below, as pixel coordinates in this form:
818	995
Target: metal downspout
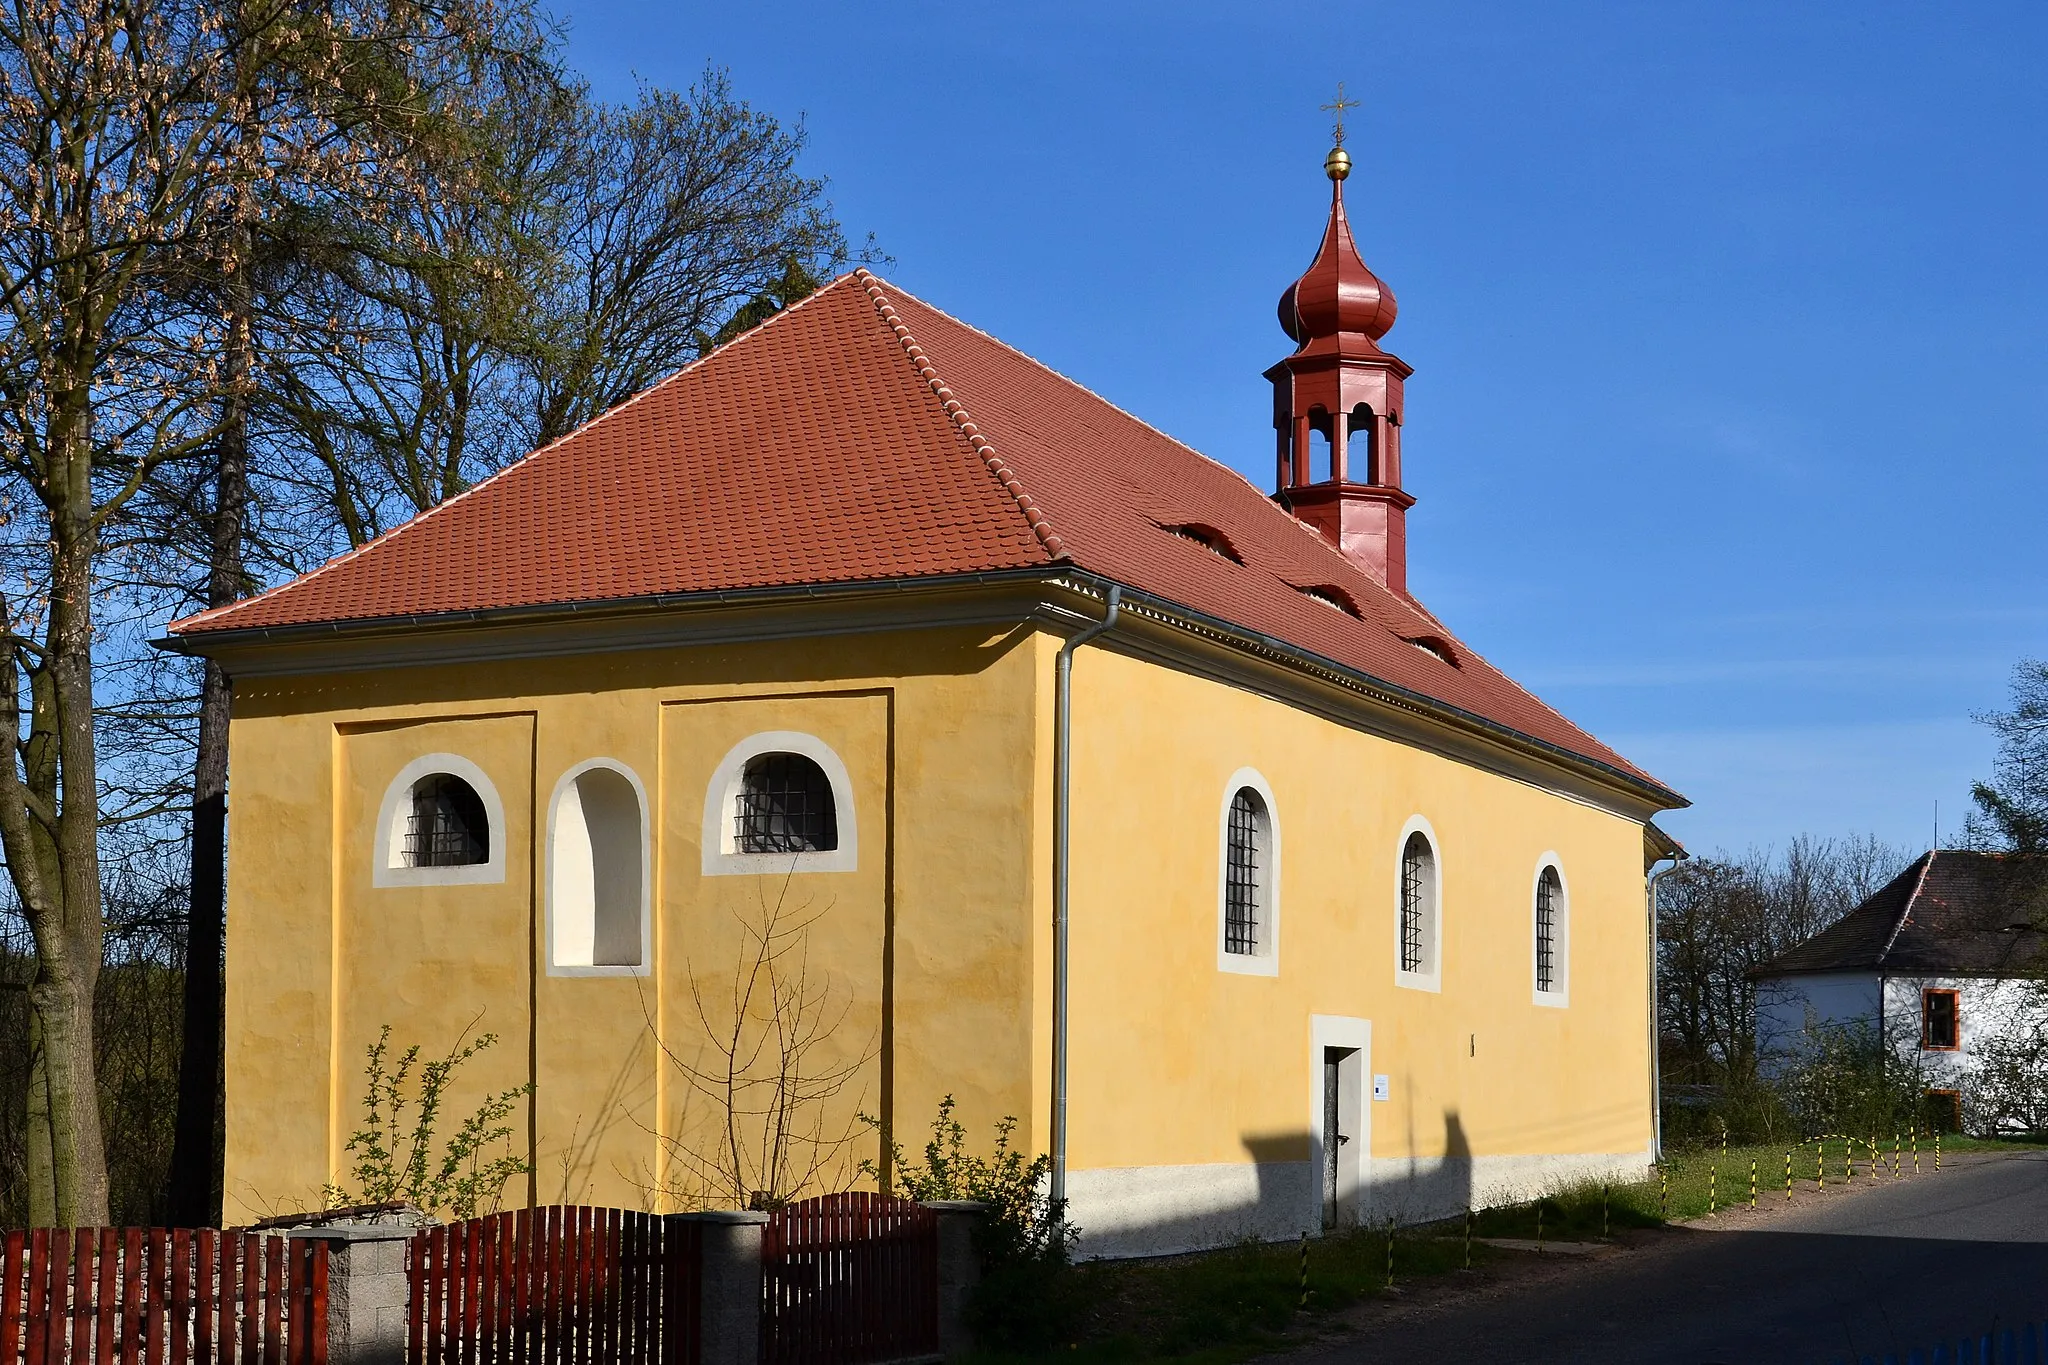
1063	689
1656	1035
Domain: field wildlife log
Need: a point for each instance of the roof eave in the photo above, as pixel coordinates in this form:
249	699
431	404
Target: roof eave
228	641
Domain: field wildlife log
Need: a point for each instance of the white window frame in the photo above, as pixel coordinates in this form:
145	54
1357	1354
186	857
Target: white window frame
1560	994
1266	961
387	856
720	859
1432	977
563	786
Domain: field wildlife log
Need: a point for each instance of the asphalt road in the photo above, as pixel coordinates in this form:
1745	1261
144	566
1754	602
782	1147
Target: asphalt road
1885	1267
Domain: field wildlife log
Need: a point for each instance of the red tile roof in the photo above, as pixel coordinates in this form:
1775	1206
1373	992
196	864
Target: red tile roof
865	435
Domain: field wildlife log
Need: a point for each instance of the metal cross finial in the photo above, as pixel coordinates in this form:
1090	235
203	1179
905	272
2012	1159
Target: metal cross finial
1337	107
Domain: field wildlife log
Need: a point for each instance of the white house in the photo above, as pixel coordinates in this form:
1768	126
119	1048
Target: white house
1943	960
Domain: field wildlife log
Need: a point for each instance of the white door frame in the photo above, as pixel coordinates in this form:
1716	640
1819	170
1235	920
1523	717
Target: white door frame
1355	1076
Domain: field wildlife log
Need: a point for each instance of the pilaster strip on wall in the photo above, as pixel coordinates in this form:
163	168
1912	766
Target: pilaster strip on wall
957	412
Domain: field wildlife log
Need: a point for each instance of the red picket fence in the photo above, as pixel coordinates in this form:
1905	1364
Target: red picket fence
849	1278
555	1286
97	1296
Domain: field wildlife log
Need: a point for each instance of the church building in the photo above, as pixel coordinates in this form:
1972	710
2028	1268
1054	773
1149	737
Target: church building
1062	770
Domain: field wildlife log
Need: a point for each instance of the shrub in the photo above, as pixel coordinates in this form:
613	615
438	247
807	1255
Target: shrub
395	1157
1027	1299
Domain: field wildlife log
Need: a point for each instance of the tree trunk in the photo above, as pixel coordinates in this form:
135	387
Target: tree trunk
68	926
195	1173
195	1148
41	1163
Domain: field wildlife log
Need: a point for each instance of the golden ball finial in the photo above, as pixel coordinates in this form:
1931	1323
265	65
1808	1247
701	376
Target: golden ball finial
1337	164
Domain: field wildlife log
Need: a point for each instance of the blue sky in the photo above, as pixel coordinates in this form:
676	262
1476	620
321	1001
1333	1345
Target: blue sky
1729	320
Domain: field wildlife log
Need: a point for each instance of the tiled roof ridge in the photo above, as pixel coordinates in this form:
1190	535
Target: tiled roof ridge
201	618
1906	910
1109	403
1041	527
1409	603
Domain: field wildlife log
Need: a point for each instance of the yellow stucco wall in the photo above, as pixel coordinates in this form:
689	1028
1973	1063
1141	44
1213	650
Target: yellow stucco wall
937	946
1177	1062
937	732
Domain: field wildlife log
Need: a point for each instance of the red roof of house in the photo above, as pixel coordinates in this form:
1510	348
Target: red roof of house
863	435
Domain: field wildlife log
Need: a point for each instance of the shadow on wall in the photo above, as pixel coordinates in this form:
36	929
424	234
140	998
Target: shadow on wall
1275	1195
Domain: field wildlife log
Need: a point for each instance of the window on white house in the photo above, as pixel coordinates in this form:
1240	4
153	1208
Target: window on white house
1940	1021
784	805
446	825
1246	874
1549	903
1418	904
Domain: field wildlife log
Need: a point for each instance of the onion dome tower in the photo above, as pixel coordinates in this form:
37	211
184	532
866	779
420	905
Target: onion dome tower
1340	386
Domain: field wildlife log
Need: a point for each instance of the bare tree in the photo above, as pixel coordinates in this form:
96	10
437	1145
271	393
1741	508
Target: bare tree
770	1074
2012	808
561	256
113	133
126	162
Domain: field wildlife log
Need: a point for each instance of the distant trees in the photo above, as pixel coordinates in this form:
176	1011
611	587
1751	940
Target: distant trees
274	276
1720	917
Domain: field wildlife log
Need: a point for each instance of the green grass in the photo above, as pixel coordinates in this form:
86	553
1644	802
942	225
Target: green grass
1224	1306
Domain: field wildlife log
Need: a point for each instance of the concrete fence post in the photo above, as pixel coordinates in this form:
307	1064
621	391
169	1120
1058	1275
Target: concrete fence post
959	1270
729	1303
366	1289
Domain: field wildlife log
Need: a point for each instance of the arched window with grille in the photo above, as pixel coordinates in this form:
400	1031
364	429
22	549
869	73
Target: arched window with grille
780	802
1418	918
1550	938
784	805
1248	880
441	823
446	825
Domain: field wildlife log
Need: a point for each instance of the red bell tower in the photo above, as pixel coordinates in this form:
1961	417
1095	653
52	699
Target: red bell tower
1341	386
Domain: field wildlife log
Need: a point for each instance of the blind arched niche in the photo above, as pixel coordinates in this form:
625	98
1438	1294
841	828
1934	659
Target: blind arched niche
597	871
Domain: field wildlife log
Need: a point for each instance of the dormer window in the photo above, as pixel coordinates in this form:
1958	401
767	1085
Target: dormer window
1335	598
1208	537
1436	647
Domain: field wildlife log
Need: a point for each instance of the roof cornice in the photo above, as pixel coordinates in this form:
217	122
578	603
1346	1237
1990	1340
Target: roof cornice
1059	597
